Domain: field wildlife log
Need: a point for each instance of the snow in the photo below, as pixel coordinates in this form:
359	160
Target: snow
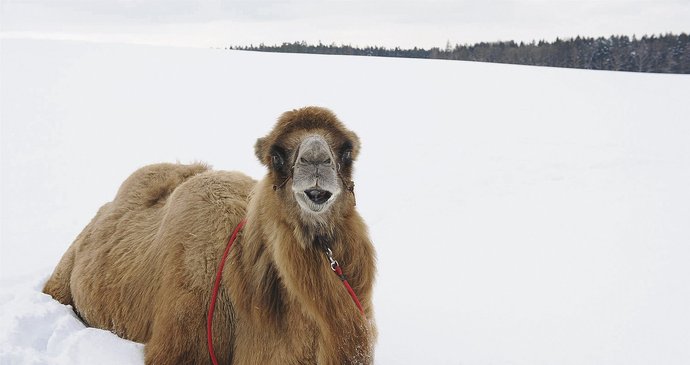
38	330
522	215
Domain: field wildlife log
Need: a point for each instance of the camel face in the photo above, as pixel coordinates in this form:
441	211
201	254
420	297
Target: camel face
315	175
309	155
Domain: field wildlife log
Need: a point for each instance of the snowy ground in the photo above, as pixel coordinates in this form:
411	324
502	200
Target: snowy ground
522	215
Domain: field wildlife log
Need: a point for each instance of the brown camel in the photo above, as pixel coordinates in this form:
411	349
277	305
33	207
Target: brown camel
144	266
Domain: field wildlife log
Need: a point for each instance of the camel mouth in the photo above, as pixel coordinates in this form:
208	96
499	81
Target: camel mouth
314	200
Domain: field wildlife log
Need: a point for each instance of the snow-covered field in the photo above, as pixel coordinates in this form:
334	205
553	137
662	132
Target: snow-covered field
522	215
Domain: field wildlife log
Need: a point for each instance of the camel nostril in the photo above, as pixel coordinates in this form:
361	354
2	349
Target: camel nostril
318	196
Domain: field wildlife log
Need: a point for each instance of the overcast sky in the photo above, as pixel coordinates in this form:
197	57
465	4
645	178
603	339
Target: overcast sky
405	23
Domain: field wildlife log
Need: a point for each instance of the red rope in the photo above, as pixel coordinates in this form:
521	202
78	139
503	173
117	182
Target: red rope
340	274
214	294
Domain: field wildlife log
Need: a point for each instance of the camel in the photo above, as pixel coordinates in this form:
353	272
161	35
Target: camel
144	267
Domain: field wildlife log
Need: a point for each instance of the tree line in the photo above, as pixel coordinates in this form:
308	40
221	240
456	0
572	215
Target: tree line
667	53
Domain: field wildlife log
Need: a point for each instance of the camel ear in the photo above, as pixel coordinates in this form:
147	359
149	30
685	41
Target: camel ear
259	150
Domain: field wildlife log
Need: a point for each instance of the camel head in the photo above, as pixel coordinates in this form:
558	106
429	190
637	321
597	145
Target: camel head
309	156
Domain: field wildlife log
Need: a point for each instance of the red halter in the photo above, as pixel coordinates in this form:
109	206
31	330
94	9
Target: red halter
216	286
214	295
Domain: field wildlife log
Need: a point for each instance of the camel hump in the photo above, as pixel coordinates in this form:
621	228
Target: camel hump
152	184
219	186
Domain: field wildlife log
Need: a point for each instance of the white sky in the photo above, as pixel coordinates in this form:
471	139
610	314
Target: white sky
405	23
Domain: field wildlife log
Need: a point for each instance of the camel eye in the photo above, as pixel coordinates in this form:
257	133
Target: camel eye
278	154
346	153
346	156
277	161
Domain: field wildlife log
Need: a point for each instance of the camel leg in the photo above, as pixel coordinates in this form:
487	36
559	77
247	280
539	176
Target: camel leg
58	285
179	333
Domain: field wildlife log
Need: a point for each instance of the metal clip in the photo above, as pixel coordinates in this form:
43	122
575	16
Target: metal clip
334	263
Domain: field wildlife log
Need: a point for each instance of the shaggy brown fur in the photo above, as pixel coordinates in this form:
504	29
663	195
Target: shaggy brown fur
144	266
